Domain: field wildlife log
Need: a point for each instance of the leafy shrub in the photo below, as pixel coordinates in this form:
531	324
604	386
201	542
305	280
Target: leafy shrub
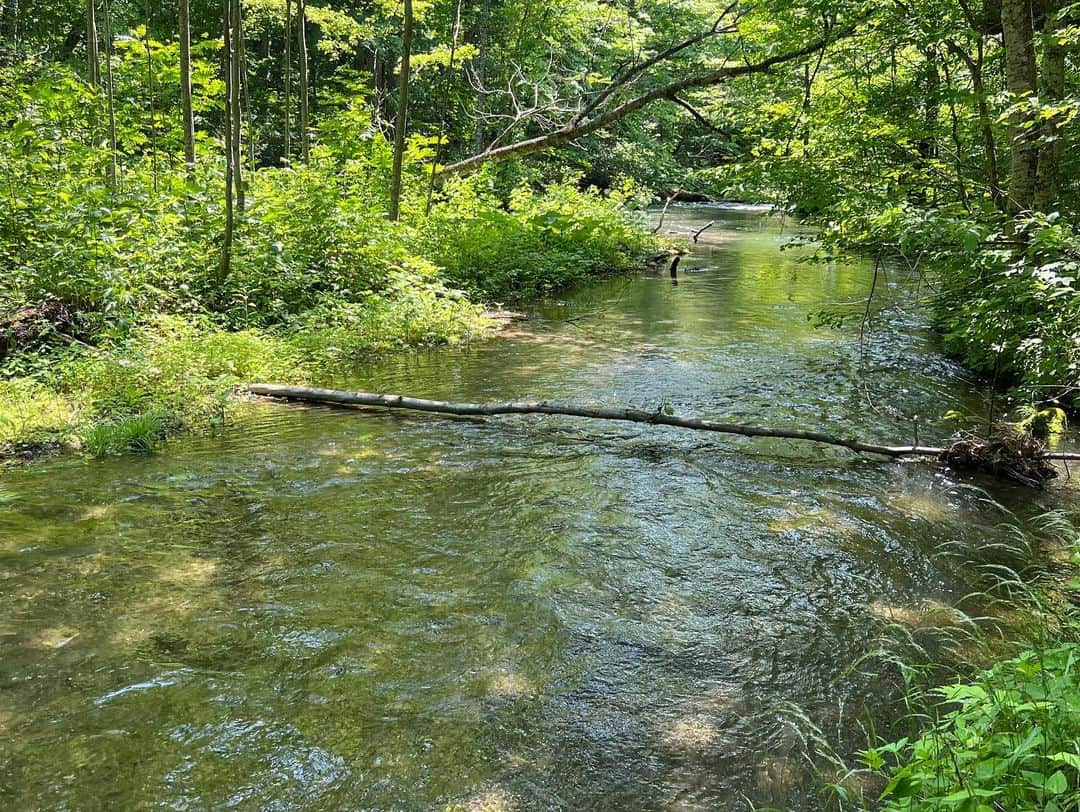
412	310
1010	741
1005	304
541	242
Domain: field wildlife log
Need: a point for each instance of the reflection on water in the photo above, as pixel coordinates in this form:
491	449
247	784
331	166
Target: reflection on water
332	609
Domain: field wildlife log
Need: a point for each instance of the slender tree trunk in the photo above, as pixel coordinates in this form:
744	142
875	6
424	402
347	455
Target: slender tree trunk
808	82
401	119
446	107
957	140
986	126
227	65
1020	76
288	81
150	93
481	76
93	60
237	118
93	64
245	97
185	87
928	145
377	83
110	96
1052	91
305	136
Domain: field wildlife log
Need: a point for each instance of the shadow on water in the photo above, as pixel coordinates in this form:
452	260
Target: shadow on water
330	609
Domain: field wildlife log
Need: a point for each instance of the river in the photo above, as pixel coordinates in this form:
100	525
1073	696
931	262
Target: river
327	609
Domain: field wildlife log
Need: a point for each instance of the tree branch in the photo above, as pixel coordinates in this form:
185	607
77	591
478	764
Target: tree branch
575	128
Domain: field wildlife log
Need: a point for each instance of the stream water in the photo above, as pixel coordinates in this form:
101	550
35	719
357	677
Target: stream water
330	609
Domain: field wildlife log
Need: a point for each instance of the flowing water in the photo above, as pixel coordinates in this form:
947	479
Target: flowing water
339	609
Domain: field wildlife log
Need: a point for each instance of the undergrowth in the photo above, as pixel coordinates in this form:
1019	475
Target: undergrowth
118	326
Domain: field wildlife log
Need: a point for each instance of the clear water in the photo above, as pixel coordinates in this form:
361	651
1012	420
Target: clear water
341	609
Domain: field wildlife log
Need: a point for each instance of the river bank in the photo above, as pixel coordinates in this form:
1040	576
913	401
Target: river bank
118	354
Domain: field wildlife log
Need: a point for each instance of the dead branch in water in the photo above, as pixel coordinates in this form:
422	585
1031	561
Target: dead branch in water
1025	461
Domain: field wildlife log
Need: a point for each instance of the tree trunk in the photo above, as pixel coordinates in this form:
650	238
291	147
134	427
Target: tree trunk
1023	460
150	93
305	136
245	112
288	81
236	117
228	58
445	107
112	170
185	87
337	397
928	144
1052	91
401	118
986	126
1020	78
481	76
93	61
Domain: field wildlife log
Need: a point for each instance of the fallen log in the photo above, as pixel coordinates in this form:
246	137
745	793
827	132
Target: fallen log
1025	461
338	397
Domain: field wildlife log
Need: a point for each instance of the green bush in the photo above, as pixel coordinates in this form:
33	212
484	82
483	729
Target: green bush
1006	305
138	333
539	243
1007	740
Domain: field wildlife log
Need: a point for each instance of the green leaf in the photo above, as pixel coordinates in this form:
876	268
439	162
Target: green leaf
1056	784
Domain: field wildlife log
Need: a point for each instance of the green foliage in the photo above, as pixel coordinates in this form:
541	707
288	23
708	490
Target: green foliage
414	309
1009	739
140	432
539	243
1006	304
31	412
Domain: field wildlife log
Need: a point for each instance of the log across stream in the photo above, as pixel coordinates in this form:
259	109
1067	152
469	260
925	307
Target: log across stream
340	397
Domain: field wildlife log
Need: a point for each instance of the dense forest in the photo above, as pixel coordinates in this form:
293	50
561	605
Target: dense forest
200	194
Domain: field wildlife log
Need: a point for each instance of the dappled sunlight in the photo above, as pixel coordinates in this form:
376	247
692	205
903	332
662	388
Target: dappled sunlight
195	572
95	512
52	639
923	614
819	522
932	505
490	800
693	732
505	684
